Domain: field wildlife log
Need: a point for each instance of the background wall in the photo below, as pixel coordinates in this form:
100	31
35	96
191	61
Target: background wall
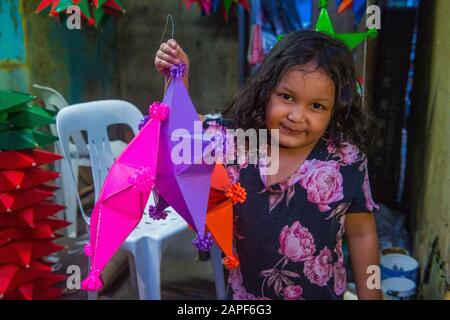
428	178
116	60
80	64
210	42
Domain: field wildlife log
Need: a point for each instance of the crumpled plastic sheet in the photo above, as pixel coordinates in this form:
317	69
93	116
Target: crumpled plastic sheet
391	229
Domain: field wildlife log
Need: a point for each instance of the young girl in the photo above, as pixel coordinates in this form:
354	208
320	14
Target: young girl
289	231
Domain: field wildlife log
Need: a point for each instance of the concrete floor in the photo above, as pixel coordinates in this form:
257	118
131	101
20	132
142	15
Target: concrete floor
183	275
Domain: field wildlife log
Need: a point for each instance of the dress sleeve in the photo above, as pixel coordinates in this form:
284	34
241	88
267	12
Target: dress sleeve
362	200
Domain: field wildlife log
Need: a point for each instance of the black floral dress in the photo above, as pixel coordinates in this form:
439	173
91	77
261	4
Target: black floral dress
288	236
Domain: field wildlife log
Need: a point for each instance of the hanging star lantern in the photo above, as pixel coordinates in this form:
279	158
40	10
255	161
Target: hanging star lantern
91	10
352	40
145	165
27	228
228	3
183	186
11	180
124	195
343	5
212	6
11	276
10	160
20	199
18	120
44	229
357	5
40	288
23	253
205	5
219	220
30	216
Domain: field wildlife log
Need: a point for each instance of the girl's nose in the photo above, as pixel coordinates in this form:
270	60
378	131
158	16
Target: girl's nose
297	114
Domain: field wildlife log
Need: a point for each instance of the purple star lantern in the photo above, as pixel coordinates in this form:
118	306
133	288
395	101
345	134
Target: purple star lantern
183	186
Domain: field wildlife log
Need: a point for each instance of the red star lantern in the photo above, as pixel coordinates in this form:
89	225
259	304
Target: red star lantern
30	216
22	253
10	160
91	10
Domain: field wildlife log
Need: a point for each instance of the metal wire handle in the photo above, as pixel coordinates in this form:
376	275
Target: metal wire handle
165	27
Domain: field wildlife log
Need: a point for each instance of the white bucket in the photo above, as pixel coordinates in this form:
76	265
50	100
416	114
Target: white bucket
398	289
399	265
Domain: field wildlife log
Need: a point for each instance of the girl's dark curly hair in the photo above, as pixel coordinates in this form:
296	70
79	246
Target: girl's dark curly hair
350	121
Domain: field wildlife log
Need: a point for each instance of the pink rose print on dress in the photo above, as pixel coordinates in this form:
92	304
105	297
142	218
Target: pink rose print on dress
276	196
323	182
340	278
287	187
347	152
290	185
292	292
370	204
296	242
318	269
243	295
341	227
339	252
340	275
239	291
235	279
233	173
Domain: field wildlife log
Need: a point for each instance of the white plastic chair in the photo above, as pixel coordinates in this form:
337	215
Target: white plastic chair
79	155
148	241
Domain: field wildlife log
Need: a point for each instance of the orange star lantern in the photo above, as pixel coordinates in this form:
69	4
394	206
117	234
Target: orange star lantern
219	219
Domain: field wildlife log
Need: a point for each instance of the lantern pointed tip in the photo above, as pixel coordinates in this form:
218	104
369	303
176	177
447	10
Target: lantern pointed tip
372	33
323	4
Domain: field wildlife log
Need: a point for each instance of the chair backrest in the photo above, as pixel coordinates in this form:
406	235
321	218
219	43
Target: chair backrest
95	117
53	100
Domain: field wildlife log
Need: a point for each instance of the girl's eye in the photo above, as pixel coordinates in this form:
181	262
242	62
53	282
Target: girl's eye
286	97
318	106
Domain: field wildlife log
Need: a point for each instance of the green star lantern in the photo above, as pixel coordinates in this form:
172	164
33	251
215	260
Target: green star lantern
352	40
18	119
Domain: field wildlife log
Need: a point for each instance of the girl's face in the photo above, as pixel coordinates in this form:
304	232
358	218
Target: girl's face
300	107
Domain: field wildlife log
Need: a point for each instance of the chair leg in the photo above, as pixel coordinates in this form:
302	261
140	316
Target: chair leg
219	278
70	200
132	267
59	197
147	256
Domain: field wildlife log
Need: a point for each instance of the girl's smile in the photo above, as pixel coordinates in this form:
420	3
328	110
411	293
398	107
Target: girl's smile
291	131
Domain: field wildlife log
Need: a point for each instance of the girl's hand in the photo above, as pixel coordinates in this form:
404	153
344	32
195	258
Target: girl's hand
170	53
